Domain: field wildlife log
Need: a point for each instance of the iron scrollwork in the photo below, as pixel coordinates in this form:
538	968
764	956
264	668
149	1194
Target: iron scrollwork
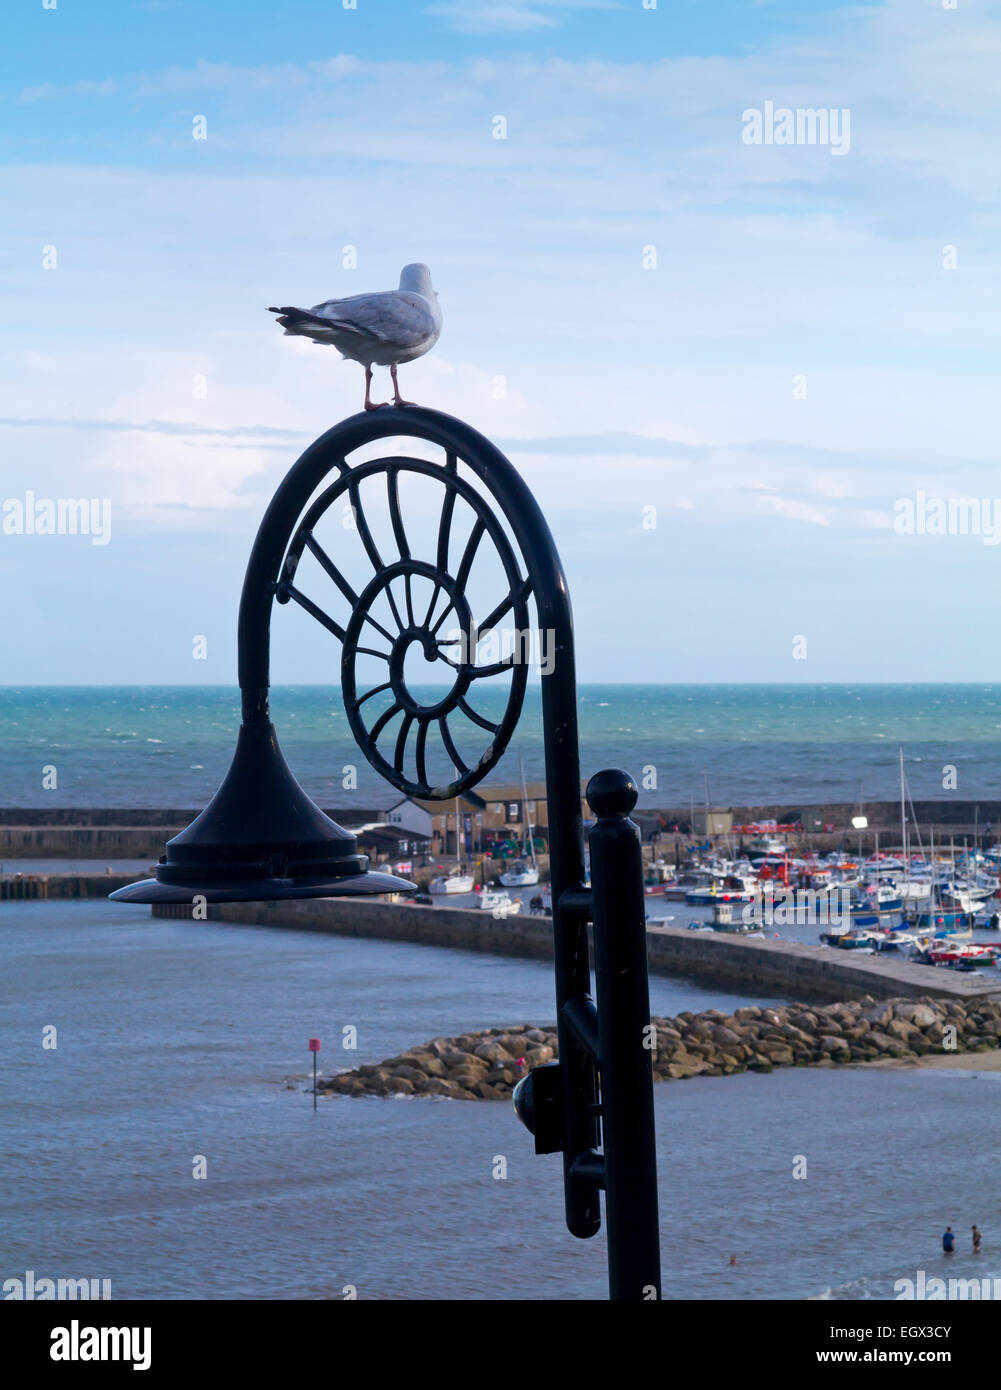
410	622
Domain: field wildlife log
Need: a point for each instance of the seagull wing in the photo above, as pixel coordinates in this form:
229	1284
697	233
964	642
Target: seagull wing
391	317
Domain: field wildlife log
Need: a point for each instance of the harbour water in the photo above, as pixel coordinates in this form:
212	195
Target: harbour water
181	1039
759	744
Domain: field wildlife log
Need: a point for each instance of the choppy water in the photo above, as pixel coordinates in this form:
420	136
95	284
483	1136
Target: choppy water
776	744
176	1039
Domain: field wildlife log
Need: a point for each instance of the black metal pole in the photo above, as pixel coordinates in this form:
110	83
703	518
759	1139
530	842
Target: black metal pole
620	965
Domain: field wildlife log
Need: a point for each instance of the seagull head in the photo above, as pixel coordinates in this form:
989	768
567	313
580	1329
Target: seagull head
417	279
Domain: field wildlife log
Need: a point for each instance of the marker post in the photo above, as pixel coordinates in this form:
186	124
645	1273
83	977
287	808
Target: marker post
314	1047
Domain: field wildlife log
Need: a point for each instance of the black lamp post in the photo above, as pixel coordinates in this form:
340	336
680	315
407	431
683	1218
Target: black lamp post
262	837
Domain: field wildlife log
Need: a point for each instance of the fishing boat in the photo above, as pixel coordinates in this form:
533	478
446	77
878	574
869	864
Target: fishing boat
658	878
766	845
908	943
955	956
498	903
731	888
885	896
685	883
855	940
723	921
941	923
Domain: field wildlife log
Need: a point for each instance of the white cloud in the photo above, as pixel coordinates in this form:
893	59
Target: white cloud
511	16
626	387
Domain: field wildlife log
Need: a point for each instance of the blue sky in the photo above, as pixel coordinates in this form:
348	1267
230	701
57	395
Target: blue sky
627	386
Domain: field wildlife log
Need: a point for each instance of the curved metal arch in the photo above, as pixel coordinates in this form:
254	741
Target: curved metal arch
559	705
286	531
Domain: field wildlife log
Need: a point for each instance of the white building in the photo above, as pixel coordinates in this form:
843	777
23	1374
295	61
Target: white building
409	816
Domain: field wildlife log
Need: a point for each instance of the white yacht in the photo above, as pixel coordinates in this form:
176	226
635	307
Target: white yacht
455	881
520	874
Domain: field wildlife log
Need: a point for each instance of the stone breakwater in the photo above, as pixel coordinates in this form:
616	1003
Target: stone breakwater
487	1065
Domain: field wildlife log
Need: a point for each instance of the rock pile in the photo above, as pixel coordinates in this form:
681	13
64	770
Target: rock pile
487	1065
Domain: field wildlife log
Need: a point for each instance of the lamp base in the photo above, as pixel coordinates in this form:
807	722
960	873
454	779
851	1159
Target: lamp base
151	890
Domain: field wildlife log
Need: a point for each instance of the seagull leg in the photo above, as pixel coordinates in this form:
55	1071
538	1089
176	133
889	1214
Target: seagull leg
397	398
369	403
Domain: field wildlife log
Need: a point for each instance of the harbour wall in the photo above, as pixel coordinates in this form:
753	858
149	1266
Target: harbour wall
84	841
134	833
25	887
786	969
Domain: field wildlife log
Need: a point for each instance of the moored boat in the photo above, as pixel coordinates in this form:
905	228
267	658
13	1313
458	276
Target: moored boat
455	881
497	903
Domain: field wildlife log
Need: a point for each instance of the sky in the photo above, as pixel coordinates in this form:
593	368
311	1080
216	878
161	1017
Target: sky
741	378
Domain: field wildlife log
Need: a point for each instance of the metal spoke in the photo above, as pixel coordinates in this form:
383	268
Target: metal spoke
469	554
315	612
366	535
451	749
376	690
393	492
518	595
383	632
420	751
401	742
495	669
396	612
477	718
444	534
315	548
383	720
444	615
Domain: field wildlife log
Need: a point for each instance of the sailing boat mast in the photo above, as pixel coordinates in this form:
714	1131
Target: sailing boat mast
528	817
903	822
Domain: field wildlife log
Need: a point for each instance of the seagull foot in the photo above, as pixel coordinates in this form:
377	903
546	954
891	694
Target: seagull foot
398	401
376	405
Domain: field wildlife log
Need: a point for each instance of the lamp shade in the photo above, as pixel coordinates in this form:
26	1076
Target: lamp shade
261	837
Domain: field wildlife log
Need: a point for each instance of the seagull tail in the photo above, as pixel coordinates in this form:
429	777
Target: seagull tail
300	320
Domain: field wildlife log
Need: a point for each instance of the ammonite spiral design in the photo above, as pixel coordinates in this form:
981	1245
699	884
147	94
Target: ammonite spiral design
403	721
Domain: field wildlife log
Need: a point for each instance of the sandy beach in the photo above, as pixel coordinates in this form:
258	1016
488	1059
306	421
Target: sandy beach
941	1061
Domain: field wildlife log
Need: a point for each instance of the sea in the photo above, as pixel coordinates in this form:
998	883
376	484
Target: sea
168	1142
782	745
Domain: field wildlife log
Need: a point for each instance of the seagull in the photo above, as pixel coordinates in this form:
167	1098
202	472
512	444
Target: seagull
384	329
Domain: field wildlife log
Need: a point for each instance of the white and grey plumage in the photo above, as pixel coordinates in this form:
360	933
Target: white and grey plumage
374	329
